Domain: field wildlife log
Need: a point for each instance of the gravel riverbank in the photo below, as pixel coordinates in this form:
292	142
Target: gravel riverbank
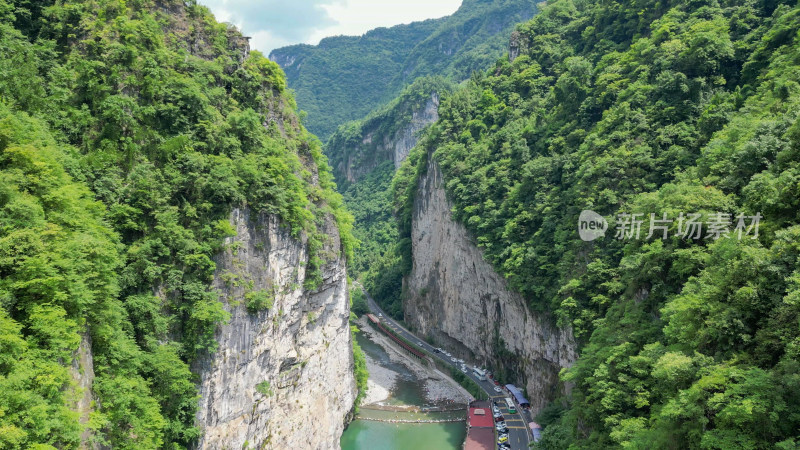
438	388
380	383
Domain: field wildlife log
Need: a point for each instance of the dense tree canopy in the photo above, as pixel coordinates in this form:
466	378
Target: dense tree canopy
639	108
128	130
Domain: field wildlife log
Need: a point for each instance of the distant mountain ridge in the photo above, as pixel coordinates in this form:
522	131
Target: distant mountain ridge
329	78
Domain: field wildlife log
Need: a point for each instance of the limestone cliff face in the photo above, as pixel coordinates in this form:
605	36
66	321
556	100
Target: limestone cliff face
458	299
376	145
298	350
80	394
517	46
406	138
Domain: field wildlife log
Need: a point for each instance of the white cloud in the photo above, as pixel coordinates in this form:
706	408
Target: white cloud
356	17
276	23
265	41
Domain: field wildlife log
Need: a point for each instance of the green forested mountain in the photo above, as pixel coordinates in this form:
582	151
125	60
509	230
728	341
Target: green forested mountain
128	131
359	146
644	107
346	77
363	155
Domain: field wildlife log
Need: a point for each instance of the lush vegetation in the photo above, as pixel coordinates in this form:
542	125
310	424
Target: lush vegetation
644	107
358	147
358	307
467	383
359	368
264	388
362	157
370	201
128	130
358	302
345	77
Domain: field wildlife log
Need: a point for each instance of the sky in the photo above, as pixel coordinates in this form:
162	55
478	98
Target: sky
276	23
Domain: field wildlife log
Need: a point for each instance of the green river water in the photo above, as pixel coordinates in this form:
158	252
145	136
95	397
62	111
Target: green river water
374	435
367	434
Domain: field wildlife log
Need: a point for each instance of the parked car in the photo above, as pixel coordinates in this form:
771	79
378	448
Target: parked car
499	418
503	446
502	439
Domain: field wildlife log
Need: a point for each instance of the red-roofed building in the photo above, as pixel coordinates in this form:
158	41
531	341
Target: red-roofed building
480	418
480	439
480	427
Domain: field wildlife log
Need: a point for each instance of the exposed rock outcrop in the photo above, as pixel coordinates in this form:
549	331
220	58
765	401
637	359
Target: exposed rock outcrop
517	46
406	138
455	297
377	146
282	376
81	396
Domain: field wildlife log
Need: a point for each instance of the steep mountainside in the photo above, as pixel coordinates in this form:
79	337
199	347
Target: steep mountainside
365	155
165	221
455	298
386	134
282	373
344	78
635	110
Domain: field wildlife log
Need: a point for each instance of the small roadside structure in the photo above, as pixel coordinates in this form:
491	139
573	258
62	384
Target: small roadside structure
479	417
521	400
536	431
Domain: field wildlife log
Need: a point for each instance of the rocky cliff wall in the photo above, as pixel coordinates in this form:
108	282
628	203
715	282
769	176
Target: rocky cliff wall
456	297
406	138
298	349
80	394
377	147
